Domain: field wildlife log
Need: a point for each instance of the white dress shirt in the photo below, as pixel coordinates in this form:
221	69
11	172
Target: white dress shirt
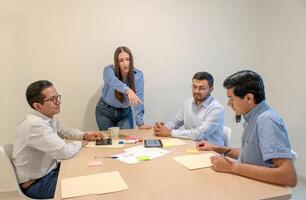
39	144
203	122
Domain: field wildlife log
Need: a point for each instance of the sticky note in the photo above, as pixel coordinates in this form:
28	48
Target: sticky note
143	158
192	151
122	136
95	163
130	138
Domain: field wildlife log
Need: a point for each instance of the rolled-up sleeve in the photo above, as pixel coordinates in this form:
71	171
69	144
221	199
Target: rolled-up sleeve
274	142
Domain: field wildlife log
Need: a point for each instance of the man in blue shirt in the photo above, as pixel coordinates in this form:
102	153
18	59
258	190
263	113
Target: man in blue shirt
265	152
202	116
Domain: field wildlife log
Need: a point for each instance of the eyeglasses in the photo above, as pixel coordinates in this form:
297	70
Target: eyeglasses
200	88
54	99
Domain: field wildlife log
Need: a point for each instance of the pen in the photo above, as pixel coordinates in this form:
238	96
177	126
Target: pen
112	157
226	152
131	141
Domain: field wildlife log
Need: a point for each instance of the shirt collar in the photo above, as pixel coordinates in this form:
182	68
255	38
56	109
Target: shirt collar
258	109
35	112
205	103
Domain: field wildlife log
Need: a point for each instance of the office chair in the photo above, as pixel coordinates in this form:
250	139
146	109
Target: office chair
227	135
6	151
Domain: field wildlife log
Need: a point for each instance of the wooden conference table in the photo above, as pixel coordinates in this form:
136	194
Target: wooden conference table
165	179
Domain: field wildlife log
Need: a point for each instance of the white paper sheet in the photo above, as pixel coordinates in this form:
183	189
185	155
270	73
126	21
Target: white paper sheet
131	154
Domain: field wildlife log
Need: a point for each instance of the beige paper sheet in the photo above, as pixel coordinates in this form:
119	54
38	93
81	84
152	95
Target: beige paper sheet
92	184
195	161
115	144
172	142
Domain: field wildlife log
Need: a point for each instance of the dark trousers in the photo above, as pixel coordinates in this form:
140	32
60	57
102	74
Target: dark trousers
43	188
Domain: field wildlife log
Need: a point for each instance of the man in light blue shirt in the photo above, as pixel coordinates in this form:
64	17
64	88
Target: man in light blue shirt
265	152
202	116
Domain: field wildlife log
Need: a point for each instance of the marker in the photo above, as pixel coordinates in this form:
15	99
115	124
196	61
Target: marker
112	157
226	152
131	141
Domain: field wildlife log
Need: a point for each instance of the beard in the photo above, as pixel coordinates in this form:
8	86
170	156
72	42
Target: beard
198	98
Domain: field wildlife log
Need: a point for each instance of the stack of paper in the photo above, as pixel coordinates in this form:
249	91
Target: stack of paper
92	184
195	161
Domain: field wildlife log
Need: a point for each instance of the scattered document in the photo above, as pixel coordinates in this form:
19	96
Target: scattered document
127	158
195	161
115	144
142	151
133	154
168	142
92	184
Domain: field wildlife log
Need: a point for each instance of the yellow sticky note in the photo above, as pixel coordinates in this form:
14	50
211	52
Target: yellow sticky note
192	151
143	158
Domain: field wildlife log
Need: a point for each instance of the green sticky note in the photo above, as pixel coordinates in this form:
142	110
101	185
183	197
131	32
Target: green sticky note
122	136
143	158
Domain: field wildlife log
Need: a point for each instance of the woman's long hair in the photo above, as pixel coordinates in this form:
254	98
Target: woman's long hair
130	77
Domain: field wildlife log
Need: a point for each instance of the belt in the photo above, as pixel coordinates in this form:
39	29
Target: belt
27	184
113	106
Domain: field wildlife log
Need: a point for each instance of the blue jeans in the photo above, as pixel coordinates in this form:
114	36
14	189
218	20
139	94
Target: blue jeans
108	116
43	188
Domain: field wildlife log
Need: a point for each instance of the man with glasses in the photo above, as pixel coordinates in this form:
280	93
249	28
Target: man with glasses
40	142
202	116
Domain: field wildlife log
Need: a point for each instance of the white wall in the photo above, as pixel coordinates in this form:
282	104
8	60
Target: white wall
284	67
69	42
15	73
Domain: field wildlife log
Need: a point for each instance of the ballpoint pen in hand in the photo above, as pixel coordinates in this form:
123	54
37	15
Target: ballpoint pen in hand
226	152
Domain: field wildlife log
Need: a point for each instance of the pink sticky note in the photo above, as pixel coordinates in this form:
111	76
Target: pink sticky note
131	138
95	163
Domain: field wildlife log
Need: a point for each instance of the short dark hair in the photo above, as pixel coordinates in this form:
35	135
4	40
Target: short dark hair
244	82
204	76
33	92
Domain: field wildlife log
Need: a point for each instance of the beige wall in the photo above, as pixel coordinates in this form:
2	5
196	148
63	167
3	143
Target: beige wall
69	42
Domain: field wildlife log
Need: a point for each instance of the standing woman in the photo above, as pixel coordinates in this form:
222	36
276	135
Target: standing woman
123	88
